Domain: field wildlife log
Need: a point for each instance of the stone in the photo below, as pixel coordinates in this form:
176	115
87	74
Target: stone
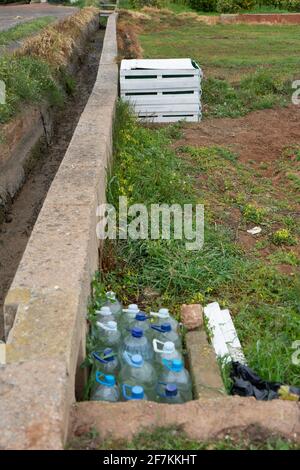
205	371
192	316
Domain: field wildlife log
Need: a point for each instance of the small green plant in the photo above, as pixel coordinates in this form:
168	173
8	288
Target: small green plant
283	237
252	213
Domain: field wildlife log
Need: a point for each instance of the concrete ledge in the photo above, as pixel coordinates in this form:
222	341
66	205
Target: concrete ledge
201	420
50	291
34	405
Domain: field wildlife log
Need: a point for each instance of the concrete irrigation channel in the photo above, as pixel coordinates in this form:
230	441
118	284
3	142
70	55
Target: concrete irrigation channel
45	160
45	313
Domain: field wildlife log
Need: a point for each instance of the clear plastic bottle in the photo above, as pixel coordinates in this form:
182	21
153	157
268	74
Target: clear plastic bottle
169	393
165	350
106	361
106	388
165	333
164	316
141	320
137	343
104	315
137	371
174	372
127	317
113	303
108	334
135	393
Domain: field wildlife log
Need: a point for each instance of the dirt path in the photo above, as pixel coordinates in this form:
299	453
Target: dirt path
14	234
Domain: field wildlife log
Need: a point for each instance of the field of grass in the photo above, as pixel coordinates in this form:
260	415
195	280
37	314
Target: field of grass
24	30
246	67
264	302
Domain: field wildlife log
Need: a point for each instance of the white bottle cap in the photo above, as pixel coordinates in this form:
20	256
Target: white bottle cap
112	325
164	312
105	311
169	347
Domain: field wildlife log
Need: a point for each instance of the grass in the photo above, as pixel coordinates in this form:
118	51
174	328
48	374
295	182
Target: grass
28	81
36	73
175	439
24	30
265	302
255	75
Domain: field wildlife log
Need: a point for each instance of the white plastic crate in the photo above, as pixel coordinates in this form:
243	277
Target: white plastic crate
162	90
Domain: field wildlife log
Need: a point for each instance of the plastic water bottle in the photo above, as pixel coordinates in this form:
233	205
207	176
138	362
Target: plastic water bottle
169	393
113	303
106	389
133	393
141	321
108	334
165	350
174	372
137	343
137	371
106	361
164	316
165	333
105	315
128	316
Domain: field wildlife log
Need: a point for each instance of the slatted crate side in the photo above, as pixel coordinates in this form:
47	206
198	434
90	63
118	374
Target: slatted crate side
162	99
151	84
165	118
153	73
168	108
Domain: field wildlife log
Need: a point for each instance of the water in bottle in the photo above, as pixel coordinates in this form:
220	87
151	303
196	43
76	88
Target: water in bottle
164	316
133	393
174	372
106	361
165	350
169	393
105	315
108	334
165	333
137	371
106	388
113	303
137	343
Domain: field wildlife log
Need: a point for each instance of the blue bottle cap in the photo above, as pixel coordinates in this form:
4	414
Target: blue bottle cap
177	365
137	360
137	332
166	328
141	316
171	390
110	380
137	392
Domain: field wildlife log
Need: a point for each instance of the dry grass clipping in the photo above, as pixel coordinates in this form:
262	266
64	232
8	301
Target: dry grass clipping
56	44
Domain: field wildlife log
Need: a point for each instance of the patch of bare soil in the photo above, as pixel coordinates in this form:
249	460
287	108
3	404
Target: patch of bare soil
15	232
259	137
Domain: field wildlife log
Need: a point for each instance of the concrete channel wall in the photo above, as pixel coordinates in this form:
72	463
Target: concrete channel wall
45	309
